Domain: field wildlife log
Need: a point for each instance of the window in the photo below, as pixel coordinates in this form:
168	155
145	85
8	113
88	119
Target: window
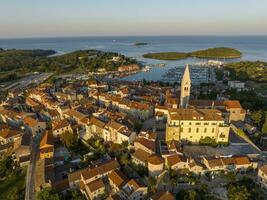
190	123
189	130
197	130
181	130
212	130
205	130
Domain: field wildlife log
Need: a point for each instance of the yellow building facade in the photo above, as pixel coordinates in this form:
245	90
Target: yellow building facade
192	125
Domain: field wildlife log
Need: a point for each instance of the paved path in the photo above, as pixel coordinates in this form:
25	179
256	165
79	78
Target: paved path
30	187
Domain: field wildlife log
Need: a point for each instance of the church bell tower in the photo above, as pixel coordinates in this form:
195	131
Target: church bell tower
185	88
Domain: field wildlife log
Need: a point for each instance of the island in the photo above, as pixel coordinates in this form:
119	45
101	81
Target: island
166	55
140	43
217	53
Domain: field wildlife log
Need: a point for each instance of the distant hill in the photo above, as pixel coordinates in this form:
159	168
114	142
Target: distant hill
14	62
248	70
220	52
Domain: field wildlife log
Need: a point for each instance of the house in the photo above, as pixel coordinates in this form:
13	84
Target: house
146	142
133	190
74	115
176	162
262	177
60	126
33	126
53	114
128	68
155	165
140	157
23	152
94	189
10	136
99	171
235	110
238	85
235	163
117	180
47	146
11	117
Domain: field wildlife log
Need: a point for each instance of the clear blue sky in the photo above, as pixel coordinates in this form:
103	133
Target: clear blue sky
48	18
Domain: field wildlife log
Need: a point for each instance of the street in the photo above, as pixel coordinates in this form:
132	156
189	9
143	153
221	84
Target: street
30	186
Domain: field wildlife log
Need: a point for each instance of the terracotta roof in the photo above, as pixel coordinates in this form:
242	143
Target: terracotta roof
30	121
242	160
232	104
135	184
162	195
7	133
205	103
47	139
97	122
195	114
139	106
118	178
141	155
174	159
95	185
215	162
60	124
85	120
75	113
53	113
115	125
263	169
101	169
155	160
150	144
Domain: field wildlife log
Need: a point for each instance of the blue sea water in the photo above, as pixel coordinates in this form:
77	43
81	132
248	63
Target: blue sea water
252	47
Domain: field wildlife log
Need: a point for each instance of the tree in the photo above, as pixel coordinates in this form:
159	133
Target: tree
124	159
264	127
74	194
49	194
187	195
69	139
264	124
152	182
257	117
238	192
7	166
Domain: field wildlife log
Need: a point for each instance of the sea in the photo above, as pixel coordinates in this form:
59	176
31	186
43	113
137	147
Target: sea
253	48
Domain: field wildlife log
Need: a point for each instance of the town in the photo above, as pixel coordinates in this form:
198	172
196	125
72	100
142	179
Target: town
95	139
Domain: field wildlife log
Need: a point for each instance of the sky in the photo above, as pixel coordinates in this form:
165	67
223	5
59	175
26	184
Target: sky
55	18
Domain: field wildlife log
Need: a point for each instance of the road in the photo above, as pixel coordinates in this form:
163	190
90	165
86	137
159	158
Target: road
30	187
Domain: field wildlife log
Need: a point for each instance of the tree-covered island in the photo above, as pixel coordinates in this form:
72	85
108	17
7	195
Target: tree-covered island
217	53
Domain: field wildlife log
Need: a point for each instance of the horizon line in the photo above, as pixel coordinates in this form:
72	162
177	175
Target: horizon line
103	36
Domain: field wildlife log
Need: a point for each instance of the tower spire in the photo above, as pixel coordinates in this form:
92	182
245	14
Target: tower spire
185	88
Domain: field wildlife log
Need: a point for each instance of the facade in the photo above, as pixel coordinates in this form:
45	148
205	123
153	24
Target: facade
47	146
238	85
34	126
155	165
94	189
192	125
60	127
262	178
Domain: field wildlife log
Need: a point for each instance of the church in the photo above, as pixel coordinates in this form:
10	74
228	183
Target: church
194	121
